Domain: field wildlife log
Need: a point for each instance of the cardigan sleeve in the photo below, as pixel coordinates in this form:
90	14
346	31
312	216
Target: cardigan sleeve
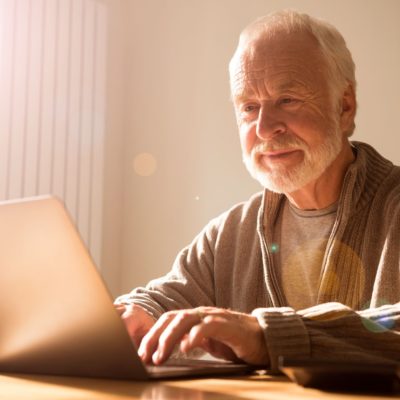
332	331
189	284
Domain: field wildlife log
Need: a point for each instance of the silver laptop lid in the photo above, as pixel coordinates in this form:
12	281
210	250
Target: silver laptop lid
57	316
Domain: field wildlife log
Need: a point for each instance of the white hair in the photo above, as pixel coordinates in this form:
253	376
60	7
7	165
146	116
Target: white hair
339	62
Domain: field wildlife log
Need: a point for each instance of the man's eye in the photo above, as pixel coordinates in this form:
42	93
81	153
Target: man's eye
288	100
249	108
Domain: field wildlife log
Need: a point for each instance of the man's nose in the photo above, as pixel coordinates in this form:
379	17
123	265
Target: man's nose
269	123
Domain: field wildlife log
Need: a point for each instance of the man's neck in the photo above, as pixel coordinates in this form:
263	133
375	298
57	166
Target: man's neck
325	190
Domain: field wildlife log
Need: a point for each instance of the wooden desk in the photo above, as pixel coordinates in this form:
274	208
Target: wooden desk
29	387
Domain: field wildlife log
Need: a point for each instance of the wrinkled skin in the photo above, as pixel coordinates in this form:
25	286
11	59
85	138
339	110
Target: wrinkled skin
283	101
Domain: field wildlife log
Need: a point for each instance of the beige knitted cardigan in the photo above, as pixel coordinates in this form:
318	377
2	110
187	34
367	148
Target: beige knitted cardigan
357	315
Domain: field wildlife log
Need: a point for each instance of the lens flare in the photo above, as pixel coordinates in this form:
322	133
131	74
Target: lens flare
145	164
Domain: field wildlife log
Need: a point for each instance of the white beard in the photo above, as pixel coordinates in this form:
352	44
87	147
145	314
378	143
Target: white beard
281	179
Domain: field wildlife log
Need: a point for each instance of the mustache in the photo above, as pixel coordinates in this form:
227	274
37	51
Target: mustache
279	143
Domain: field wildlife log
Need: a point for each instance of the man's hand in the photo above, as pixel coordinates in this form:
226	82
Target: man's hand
223	333
137	321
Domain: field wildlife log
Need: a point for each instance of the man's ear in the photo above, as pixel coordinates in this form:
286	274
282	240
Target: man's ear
348	110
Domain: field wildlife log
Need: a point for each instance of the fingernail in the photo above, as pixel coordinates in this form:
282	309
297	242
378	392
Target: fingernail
184	345
156	357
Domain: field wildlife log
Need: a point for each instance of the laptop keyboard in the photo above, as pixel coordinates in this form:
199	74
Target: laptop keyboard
183	364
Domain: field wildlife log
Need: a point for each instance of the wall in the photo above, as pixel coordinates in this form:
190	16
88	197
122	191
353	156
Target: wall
113	145
52	106
167	159
178	112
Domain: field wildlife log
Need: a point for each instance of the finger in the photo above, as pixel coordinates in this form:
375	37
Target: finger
135	331
176	330
222	330
136	319
201	334
120	308
218	350
149	342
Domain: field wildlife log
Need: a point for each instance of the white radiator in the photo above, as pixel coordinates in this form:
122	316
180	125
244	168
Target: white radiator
52	105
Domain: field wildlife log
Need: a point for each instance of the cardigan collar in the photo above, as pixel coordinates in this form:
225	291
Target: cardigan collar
360	184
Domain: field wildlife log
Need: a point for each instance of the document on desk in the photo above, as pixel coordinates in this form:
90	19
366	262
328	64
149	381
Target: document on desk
343	375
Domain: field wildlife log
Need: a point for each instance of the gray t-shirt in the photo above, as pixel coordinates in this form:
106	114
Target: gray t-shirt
301	237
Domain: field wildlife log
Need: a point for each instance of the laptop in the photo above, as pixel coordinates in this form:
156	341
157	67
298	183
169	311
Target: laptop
57	317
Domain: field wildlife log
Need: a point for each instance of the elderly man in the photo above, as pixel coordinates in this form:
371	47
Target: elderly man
309	268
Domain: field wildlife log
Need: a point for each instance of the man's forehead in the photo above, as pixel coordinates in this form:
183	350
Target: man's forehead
246	88
286	63
281	77
279	48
